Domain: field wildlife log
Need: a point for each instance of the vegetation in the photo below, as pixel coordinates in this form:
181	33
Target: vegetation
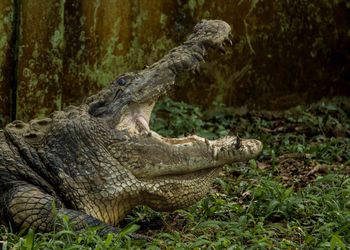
295	195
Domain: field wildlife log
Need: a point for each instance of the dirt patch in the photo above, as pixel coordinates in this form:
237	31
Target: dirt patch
296	170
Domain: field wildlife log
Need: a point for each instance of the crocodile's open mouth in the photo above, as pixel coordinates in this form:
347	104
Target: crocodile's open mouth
143	88
135	120
155	156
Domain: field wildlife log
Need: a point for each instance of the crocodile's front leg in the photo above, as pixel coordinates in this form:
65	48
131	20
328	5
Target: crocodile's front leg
30	207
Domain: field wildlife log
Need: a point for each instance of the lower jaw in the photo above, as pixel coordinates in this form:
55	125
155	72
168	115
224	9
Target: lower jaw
175	192
195	176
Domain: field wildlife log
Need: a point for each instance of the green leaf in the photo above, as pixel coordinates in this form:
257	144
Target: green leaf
108	240
29	240
131	228
64	233
336	242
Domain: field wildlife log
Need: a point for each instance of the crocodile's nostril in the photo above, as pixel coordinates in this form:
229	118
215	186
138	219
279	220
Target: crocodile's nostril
121	81
238	143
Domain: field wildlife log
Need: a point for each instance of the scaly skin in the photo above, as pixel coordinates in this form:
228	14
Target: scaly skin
96	162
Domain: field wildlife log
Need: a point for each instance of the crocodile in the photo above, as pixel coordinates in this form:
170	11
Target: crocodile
95	162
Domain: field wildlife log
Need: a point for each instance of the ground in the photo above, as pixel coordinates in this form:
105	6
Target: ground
295	195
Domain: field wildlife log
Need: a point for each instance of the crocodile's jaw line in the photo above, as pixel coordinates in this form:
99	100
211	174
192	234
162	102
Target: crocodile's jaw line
162	164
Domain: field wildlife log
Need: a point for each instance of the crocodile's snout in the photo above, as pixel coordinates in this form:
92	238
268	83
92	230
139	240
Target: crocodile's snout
235	149
133	92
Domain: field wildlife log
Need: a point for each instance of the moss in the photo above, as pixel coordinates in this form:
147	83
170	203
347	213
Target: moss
58	102
192	4
163	20
111	64
97	5
57	39
195	4
5	33
297	45
39	89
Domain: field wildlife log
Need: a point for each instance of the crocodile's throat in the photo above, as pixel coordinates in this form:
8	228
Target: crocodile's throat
135	120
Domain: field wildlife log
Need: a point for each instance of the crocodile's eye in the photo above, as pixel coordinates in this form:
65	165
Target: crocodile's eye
121	81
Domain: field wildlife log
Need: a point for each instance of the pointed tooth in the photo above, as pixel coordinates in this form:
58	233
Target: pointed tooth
204	50
222	49
215	153
197	70
238	143
229	41
198	56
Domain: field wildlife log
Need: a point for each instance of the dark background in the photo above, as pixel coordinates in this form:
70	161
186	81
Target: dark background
55	53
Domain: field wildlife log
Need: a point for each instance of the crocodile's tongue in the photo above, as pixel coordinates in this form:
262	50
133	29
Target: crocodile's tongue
135	119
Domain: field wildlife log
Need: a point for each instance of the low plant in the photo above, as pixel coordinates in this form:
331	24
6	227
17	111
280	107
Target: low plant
295	195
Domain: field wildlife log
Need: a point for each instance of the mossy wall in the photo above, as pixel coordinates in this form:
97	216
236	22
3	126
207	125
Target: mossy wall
285	52
6	67
40	58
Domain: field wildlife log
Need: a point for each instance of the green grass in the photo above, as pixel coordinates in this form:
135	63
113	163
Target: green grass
295	195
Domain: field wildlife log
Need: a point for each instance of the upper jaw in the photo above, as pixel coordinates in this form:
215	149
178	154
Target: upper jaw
147	85
156	79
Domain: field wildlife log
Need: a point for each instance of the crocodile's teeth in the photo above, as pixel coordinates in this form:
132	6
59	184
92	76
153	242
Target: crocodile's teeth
229	41
197	70
238	143
142	124
222	49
